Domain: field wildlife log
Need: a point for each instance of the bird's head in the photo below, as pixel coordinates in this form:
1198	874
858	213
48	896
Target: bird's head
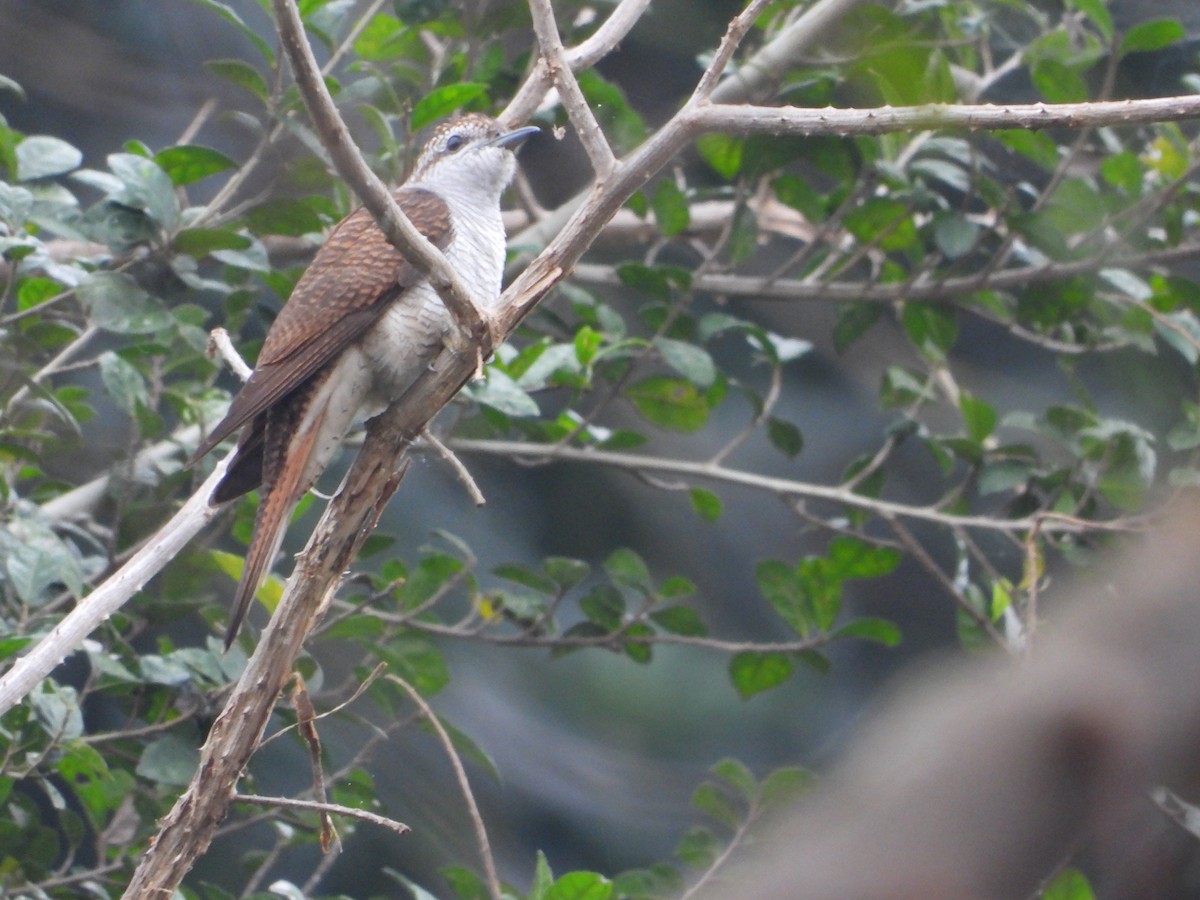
472	152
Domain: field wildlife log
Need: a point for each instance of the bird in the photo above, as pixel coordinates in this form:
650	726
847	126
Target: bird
360	327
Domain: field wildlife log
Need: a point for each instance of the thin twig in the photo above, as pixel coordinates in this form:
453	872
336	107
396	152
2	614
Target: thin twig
580	114
314	806
460	774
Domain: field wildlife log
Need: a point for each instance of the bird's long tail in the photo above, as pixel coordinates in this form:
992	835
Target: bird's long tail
280	497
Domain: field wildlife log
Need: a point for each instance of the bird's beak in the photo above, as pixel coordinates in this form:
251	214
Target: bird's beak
513	139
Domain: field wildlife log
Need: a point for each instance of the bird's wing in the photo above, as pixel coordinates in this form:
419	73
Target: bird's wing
352	280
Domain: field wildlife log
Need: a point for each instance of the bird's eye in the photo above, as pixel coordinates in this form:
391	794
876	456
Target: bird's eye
454	142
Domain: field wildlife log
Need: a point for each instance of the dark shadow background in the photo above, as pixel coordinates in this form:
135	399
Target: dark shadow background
598	755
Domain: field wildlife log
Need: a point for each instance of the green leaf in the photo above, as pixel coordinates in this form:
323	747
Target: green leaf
697	848
543	878
169	760
624	566
670	208
189	163
580	886
620	121
500	392
116	303
41	156
880	631
530	578
227	13
670	403
781	586
605	606
565	571
853	321
199	242
735	774
145	186
706	504
853	558
284	215
38	564
978	417
445	100
723	152
715	802
785	786
682	620
465	884
931	328
417	660
1098	13
785	436
645	279
123	382
752	673
1153	35
242	74
1069	884
690	361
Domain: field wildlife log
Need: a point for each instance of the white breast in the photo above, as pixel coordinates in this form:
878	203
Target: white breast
411	333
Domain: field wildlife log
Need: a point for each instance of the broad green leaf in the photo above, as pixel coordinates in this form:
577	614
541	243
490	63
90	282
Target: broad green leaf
145	186
785	436
717	803
785	786
626	567
1153	35
752	673
566	572
123	382
465	884
1097	11
169	761
932	328
1069	884
284	215
670	208
690	361
189	163
417	660
226	12
242	74
736	775
880	631
723	152
781	585
38	564
853	558
978	417
528	577
670	403
580	886
682	620
697	848
605	606
116	303
543	878
500	392
706	504
445	100
199	242
622	125
41	156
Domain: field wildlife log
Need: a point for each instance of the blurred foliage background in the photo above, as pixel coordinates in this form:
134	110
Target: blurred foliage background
978	350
